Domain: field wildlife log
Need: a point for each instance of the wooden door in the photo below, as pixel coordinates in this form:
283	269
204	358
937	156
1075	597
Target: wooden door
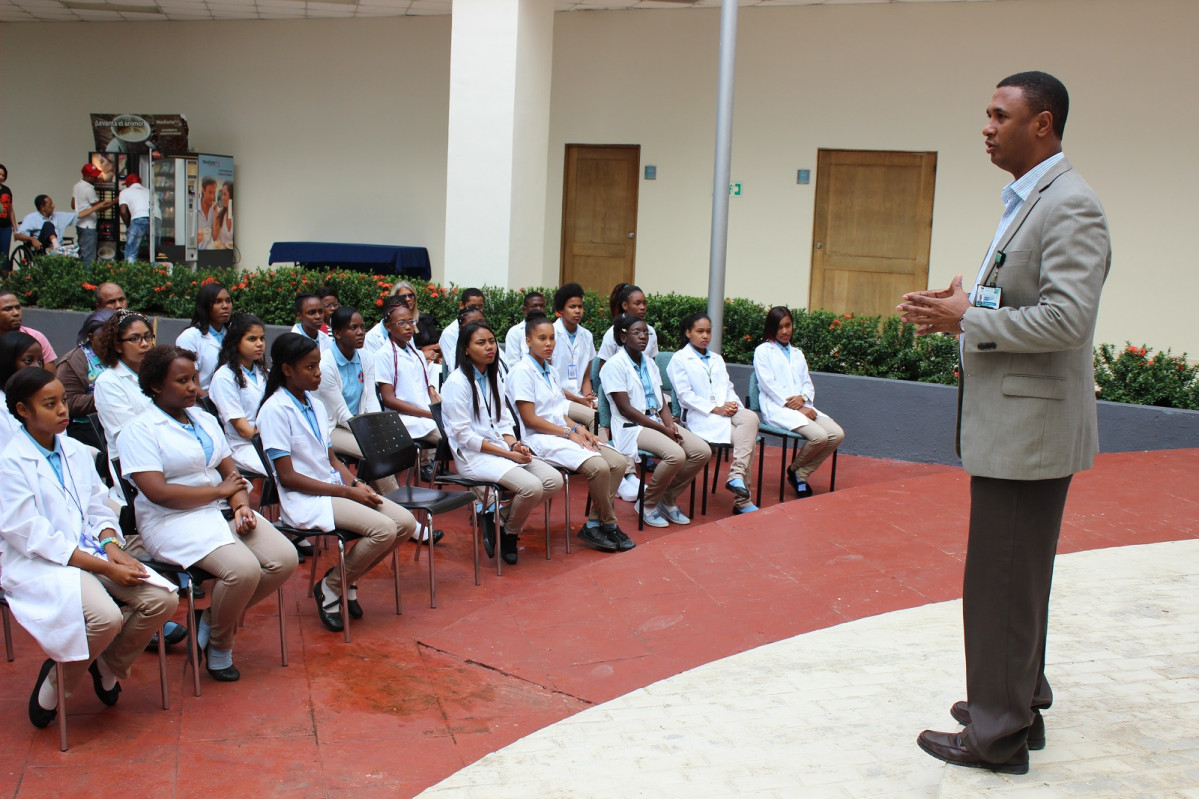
599	215
872	230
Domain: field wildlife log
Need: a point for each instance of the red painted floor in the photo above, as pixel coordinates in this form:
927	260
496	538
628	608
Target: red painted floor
414	698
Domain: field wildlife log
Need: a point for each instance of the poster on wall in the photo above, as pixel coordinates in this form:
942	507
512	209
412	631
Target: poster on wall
214	211
133	133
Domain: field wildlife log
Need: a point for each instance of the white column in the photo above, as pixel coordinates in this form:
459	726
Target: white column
500	65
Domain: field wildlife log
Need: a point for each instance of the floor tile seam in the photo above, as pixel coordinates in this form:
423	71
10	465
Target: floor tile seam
548	689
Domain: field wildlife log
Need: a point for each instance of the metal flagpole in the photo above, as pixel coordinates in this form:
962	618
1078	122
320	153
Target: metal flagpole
720	175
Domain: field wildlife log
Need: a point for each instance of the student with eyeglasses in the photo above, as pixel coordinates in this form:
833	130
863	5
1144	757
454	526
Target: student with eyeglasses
124	341
427	332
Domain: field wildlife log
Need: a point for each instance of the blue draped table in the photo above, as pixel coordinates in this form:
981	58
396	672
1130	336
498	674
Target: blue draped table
383	259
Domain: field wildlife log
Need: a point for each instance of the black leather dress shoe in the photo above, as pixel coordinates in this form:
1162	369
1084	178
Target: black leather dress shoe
109	698
951	747
487	525
227	674
509	544
354	607
41	717
598	538
1036	733
331	620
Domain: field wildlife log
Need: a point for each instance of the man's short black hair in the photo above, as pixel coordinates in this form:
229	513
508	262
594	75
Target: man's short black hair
303	298
40	200
1042	92
327	291
564	293
468	294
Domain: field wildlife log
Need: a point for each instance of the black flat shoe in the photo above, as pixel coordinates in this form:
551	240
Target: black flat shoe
355	608
598	538
622	541
41	717
332	621
487	522
1036	733
509	544
109	698
951	747
227	674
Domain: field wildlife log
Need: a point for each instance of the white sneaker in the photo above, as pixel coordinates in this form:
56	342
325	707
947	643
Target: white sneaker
628	488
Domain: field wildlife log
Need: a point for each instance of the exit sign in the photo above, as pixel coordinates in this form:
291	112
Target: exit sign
734	189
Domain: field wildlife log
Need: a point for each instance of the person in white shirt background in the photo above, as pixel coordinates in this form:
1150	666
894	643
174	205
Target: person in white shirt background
63	567
641	420
627	299
534	389
193	508
135	210
86	203
403	379
788	399
310	315
515	346
316	490
575	348
709	404
482	437
206	332
469	298
237	386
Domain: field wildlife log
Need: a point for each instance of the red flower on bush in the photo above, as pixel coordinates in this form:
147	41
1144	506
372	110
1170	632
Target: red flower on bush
88	286
207	280
379	302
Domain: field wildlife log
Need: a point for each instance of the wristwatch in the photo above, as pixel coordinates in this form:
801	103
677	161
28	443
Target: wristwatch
566	431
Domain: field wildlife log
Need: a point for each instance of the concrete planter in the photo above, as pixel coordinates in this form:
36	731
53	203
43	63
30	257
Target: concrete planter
882	418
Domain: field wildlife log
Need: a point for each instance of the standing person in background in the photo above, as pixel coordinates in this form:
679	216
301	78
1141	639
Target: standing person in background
575	348
310	315
788	398
10	319
206	332
515	346
469	298
1026	414
8	222
710	407
135	211
85	202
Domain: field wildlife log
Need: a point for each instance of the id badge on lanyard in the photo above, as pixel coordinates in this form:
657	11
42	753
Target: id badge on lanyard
988	295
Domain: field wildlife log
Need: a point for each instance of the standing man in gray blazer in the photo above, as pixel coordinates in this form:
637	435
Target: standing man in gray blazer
1026	418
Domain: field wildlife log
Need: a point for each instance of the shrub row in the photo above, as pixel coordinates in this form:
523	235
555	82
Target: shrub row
845	344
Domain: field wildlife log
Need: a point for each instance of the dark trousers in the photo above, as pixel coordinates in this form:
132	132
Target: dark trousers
1014	528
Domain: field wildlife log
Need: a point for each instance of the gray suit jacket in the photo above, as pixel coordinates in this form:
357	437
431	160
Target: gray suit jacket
1026	403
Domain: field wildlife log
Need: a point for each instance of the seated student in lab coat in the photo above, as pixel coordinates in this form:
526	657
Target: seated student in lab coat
193	507
575	348
482	438
17	351
536	392
402	375
207	330
310	315
515	347
316	490
787	396
710	407
469	298
641	420
124	341
237	386
63	567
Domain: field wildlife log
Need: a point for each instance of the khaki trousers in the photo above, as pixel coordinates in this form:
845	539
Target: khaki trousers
382	528
677	463
583	414
744	437
823	437
344	443
116	633
531	483
603	472
247	571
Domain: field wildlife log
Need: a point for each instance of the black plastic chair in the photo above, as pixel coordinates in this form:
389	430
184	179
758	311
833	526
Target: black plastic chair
388	449
187	579
270	496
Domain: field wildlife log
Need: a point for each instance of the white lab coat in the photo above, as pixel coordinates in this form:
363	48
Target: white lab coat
330	389
578	354
608	346
375	338
406	371
118	400
323	339
698	393
282	426
619	373
516	345
207	348
42	525
782	375
467	432
8	423
526	383
235	402
449	345
154	442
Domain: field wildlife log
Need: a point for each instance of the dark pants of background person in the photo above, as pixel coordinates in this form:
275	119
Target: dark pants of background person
1014	528
87	243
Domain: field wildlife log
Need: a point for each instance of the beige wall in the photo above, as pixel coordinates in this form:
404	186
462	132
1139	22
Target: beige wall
339	126
900	76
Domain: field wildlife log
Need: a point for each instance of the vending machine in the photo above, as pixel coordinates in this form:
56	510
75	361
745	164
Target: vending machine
110	230
194	195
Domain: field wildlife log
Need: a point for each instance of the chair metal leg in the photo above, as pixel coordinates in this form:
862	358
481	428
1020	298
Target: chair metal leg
62	706
193	635
475	532
345	588
162	668
832	478
7	634
783	470
312	571
432	571
761	464
395	568
282	629
499	535
641	499
548	503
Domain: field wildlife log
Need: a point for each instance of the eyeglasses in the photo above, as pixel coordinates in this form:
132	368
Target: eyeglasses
138	338
402	322
406	296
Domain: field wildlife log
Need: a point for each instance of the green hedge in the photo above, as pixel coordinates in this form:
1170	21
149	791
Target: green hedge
846	344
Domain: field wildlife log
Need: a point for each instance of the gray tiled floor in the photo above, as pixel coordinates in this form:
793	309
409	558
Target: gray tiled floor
835	713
